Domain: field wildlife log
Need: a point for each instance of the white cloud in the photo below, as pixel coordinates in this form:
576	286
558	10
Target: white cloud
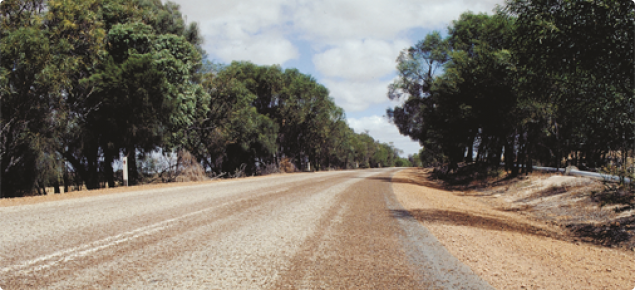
380	129
360	60
260	49
357	96
248	15
266	27
336	20
354	43
243	29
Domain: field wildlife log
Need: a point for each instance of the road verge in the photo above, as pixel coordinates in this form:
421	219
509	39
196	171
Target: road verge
507	249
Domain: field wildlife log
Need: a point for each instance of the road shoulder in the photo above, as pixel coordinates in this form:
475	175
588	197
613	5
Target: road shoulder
508	250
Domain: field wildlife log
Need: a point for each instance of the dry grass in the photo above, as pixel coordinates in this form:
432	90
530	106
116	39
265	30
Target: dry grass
507	243
189	169
287	166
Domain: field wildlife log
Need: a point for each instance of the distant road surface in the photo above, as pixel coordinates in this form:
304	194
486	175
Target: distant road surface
329	230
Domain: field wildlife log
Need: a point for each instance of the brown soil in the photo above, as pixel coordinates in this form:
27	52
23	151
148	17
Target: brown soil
509	244
572	203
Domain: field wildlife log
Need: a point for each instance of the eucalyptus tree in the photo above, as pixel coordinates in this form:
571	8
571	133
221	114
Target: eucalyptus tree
126	86
145	93
303	114
339	140
26	122
577	61
477	88
472	97
303	109
417	68
232	132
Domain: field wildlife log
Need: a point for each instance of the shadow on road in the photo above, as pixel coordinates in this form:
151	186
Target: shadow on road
419	182
455	218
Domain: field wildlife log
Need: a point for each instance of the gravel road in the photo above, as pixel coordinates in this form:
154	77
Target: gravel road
330	230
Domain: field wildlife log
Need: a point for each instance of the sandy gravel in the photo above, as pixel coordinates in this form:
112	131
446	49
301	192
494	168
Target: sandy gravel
509	250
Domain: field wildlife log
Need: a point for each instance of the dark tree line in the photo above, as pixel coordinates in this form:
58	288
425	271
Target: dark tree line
83	82
539	82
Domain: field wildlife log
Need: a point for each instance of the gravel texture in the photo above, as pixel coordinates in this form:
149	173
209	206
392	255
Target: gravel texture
507	249
331	230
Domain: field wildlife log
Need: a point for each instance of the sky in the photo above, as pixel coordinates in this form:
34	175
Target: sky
349	46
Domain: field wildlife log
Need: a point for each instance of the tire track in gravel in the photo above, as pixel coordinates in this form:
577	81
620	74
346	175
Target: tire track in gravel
104	216
355	246
64	268
361	244
437	267
253	252
341	230
74	239
201	240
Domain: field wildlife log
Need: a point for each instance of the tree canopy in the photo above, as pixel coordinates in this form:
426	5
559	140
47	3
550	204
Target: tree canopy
83	83
537	82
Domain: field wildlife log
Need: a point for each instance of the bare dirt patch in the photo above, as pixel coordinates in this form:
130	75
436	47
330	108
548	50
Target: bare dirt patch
504	235
572	203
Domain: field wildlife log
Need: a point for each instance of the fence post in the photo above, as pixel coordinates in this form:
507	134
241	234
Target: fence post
125	171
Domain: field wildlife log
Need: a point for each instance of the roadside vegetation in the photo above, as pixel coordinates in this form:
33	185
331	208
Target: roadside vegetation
537	83
83	83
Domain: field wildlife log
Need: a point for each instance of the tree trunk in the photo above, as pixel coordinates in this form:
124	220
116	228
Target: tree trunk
133	173
529	165
56	186
470	151
88	175
66	181
521	153
92	180
108	170
509	158
497	156
479	153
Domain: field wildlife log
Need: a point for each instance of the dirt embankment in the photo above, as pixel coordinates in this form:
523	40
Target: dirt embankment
515	235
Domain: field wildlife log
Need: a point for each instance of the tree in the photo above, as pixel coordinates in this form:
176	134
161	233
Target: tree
83	82
473	99
27	108
305	123
578	56
141	92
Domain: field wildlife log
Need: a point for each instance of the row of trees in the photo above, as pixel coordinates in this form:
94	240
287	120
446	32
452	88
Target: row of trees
83	82
259	115
538	82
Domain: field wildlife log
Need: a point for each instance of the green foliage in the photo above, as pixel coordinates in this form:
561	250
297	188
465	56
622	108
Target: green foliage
260	115
85	82
26	122
91	81
403	162
446	112
578	57
536	82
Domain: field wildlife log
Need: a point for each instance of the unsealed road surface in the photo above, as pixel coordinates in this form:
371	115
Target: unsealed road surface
331	230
